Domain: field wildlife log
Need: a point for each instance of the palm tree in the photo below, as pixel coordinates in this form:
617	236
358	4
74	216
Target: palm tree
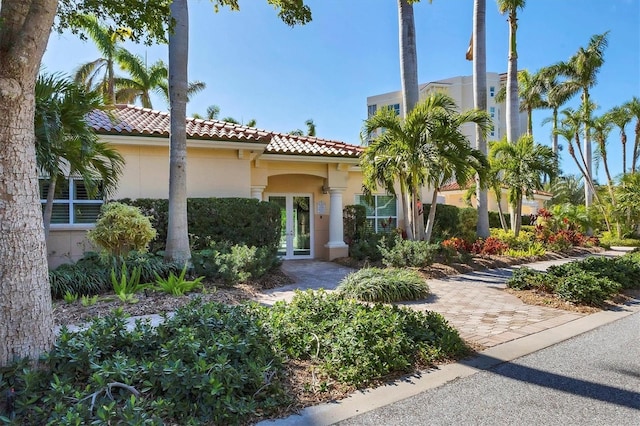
620	116
634	108
479	41
513	119
177	248
106	41
522	165
530	90
426	146
601	127
554	96
581	71
65	145
311	127
568	190
142	79
627	195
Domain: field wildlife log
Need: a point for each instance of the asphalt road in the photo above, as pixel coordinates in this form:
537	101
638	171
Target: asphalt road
591	379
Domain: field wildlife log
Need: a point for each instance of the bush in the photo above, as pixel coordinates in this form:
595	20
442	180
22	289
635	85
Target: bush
367	248
217	219
384	285
121	229
623	270
208	364
446	223
234	263
535	249
408	253
468	223
489	247
355	223
586	288
356	343
526	278
91	275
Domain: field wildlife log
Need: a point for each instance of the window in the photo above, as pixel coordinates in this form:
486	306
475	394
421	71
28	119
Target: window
72	203
492	91
492	111
382	213
395	108
371	110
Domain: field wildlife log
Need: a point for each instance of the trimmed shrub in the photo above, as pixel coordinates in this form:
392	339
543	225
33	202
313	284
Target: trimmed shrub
234	263
218	219
121	229
356	343
408	253
367	248
384	285
446	223
525	278
586	288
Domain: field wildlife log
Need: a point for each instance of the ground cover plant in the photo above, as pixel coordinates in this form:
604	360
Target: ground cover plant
590	281
218	364
384	285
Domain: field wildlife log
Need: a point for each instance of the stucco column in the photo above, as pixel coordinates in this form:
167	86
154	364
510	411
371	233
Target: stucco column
256	192
336	245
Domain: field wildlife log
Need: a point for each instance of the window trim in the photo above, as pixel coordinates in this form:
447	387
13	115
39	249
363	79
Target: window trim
375	216
71	202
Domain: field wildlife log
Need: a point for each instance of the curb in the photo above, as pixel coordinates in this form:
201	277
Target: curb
370	399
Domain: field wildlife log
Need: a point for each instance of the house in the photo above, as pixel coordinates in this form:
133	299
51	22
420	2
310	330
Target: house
311	178
456	195
460	89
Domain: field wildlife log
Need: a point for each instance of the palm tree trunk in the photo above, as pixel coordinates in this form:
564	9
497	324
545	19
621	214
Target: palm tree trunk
432	215
513	114
48	208
636	147
554	143
480	103
503	222
177	233
406	209
518	218
408	56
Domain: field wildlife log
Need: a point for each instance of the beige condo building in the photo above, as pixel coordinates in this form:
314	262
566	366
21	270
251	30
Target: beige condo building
461	90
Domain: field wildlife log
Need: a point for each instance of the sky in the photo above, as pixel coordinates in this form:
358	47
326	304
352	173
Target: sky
255	66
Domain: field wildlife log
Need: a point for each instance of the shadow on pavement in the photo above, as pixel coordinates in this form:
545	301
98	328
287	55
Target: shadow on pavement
562	383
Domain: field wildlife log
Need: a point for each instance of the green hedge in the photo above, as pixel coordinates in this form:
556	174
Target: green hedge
242	221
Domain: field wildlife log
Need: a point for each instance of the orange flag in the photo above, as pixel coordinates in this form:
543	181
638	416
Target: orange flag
469	54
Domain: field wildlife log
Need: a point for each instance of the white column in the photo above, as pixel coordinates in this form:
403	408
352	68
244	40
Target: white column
256	192
336	226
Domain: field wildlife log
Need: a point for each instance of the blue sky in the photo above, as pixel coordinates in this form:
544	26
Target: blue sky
257	67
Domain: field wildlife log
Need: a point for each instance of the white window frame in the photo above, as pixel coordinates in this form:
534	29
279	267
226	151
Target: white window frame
72	203
376	219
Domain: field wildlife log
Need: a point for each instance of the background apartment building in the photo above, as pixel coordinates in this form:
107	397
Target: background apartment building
461	90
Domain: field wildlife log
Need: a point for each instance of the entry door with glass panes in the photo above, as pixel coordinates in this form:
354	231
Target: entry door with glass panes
296	235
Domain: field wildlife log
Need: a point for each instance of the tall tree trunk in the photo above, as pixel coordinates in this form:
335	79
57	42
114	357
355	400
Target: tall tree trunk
408	56
409	82
554	143
48	207
26	317
623	141
480	102
177	233
588	157
636	147
518	220
432	214
512	104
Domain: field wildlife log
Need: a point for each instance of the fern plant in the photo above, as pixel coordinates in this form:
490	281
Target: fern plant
177	285
127	285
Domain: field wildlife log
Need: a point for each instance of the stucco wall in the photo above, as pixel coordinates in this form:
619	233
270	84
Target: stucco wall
66	245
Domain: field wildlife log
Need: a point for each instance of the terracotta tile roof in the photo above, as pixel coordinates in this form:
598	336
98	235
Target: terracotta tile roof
455	186
134	120
138	121
310	145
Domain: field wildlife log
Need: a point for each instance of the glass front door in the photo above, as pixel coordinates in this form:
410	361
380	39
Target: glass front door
296	236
